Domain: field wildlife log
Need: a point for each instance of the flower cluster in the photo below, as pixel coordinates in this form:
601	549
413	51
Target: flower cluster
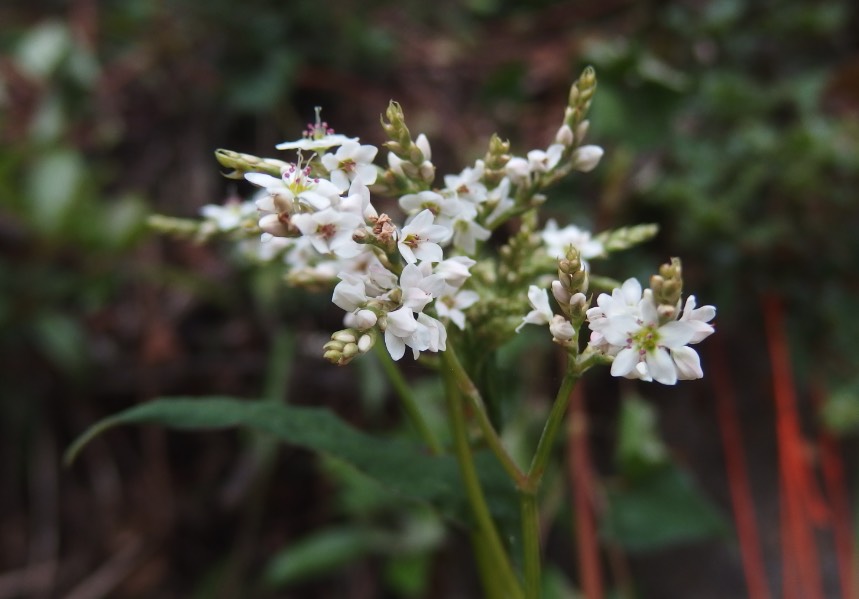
414	279
649	340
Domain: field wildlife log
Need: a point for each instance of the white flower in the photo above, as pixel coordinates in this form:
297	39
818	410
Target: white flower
698	318
229	216
399	326
445	209
315	144
419	240
542	313
429	336
558	240
419	286
641	346
499	200
351	162
350	294
330	231
466	233
455	270
451	306
467	185
358	201
318	136
295	186
543	161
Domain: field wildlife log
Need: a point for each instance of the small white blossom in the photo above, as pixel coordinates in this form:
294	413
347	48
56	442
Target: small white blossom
419	287
317	137
419	240
351	162
467	232
330	231
399	326
230	216
542	313
558	240
455	270
350	293
452	306
543	161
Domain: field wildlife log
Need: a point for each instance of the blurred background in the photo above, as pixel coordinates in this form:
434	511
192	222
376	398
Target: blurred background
735	125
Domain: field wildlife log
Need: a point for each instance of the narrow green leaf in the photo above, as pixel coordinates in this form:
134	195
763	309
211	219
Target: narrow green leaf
400	466
318	554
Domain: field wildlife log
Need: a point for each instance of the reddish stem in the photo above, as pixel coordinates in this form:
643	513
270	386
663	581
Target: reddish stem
839	501
738	478
581	476
800	503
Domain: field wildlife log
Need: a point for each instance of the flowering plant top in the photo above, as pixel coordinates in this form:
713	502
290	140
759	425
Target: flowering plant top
449	264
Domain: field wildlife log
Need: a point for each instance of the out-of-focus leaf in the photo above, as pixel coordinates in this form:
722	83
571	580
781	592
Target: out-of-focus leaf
640	449
124	220
53	184
318	554
408	574
62	340
661	509
401	466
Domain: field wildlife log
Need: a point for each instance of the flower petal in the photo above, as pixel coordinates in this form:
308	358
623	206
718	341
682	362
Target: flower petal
661	366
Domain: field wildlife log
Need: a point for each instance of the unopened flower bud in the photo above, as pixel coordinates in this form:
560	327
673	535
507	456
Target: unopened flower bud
365	319
427	171
350	350
561	293
586	158
344	336
365	343
582	131
561	329
564	135
666	312
423	144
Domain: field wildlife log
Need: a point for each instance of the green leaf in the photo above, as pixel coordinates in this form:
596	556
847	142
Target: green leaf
318	554
640	449
664	508
401	466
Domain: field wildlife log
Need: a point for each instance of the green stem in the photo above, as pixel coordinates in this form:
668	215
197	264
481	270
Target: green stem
550	431
471	393
530	543
492	586
407	398
495	551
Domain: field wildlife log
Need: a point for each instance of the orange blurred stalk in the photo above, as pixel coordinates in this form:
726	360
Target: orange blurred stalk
581	476
800	503
738	478
839	501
